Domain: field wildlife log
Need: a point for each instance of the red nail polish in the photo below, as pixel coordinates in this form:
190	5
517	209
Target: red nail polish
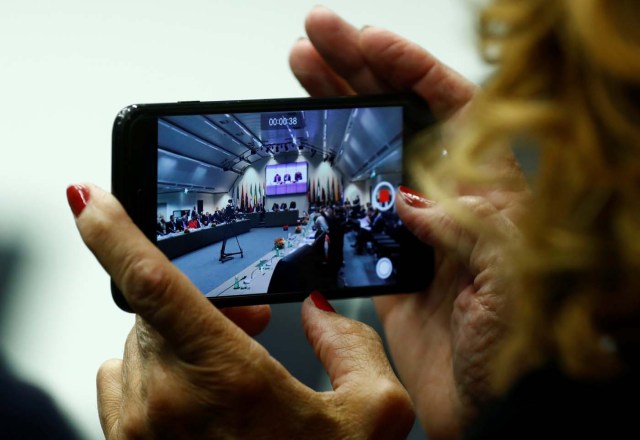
321	302
414	198
78	197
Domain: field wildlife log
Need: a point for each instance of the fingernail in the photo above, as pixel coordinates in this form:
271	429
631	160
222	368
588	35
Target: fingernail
321	302
302	38
78	197
414	198
364	27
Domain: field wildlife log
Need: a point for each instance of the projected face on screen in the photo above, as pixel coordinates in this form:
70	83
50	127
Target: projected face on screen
281	201
286	178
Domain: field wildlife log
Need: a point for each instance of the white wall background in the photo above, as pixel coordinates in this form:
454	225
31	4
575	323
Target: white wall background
66	68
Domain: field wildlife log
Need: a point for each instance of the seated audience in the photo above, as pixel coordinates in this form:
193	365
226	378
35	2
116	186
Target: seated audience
172	226
161	228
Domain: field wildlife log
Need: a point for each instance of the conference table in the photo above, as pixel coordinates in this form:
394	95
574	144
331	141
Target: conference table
273	218
180	243
255	278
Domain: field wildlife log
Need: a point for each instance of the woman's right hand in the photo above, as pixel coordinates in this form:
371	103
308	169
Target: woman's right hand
440	339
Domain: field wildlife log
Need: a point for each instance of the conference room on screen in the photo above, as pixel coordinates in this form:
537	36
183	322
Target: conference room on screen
281	202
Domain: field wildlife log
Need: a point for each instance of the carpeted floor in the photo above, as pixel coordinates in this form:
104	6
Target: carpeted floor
207	272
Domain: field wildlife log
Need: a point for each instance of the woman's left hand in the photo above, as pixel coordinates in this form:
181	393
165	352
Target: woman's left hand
193	371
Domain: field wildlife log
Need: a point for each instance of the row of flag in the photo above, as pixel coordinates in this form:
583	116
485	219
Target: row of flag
249	199
253	196
331	192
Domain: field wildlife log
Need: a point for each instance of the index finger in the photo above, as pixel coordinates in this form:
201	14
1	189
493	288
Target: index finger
373	61
154	288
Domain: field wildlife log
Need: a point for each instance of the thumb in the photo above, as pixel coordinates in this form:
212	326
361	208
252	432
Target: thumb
351	352
353	355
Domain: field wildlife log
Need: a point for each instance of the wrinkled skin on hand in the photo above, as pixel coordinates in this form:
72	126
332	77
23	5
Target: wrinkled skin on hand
192	371
441	339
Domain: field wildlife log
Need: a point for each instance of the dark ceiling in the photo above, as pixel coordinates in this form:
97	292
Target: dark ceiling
209	152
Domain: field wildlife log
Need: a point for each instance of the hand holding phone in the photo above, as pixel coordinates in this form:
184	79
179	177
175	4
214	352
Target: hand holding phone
265	201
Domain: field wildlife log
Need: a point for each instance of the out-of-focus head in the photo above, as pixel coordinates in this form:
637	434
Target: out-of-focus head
566	95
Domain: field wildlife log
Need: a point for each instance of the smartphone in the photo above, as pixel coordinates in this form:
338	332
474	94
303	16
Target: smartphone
264	201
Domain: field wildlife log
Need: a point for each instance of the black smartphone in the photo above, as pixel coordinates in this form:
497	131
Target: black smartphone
264	201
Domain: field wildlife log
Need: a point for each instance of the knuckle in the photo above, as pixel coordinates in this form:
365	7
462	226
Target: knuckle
145	280
391	395
386	409
246	383
349	327
479	206
353	337
393	409
99	228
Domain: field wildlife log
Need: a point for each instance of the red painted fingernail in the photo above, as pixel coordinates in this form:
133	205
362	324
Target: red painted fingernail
321	302
78	197
414	198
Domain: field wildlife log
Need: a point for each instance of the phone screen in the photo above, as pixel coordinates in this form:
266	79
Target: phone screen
269	205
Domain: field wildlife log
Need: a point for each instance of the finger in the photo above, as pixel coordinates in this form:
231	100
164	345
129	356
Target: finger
378	61
314	74
252	319
338	42
354	358
407	66
132	367
348	349
109	384
154	288
436	226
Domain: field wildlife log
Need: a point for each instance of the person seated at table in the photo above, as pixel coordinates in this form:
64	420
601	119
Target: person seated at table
283	206
337	225
292	205
161	228
372	223
204	220
194	223
287	178
230	213
298	176
277	178
172	226
275	207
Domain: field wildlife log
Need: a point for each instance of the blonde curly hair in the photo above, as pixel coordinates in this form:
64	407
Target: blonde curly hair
567	88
